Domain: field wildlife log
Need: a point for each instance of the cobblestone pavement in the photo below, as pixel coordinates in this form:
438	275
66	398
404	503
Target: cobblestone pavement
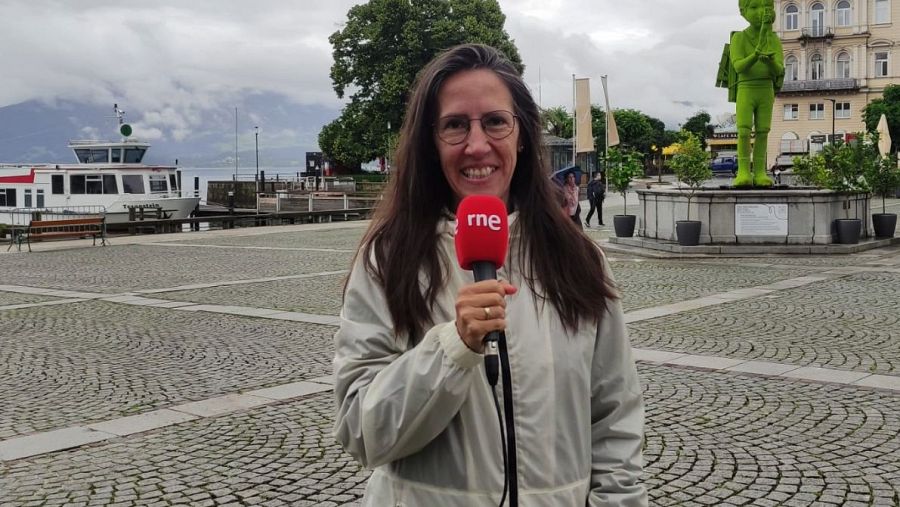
850	323
341	239
321	295
11	298
91	361
713	437
656	283
132	267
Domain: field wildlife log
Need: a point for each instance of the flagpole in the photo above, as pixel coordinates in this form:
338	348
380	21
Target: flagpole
574	121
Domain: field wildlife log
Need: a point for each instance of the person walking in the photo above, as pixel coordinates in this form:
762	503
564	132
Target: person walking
412	400
596	193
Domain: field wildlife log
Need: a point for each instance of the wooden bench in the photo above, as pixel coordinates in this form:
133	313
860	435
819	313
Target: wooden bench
94	227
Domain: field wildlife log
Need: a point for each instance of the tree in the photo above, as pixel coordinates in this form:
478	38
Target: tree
377	55
691	166
889	105
699	126
635	130
624	166
557	121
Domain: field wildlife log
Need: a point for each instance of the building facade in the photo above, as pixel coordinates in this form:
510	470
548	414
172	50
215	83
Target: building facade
838	56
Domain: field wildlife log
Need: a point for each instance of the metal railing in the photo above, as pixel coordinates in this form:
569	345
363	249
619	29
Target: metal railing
816	32
820	85
24	216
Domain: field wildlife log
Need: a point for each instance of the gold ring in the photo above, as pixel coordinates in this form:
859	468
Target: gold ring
487	312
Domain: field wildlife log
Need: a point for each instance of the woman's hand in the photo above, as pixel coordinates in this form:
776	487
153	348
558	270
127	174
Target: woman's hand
480	309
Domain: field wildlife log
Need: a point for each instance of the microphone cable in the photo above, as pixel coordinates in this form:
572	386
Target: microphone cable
502	443
508	437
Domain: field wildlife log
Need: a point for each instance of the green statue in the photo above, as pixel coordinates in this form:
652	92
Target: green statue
752	68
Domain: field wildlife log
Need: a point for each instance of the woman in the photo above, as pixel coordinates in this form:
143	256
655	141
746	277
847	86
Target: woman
572	207
412	399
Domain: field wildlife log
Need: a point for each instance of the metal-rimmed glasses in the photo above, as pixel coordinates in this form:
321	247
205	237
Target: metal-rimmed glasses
454	129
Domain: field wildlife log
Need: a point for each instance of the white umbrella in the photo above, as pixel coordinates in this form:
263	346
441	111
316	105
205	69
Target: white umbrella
884	135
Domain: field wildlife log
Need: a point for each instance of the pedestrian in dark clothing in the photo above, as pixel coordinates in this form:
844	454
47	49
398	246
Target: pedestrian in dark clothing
595	194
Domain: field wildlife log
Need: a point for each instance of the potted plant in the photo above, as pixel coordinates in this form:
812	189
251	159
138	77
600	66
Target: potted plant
884	177
691	167
841	167
621	168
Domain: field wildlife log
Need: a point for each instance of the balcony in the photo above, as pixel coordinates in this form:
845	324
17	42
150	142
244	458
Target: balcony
816	33
819	85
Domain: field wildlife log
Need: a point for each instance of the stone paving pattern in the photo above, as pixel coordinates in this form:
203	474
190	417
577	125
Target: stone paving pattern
13	298
850	323
273	456
339	239
656	283
84	362
134	267
727	439
319	295
713	438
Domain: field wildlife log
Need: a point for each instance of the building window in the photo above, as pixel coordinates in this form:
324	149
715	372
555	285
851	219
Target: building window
842	68
8	197
817	111
791	111
881	64
28	198
816	68
843	13
791	17
40	198
791	69
56	184
882	11
817	19
842	110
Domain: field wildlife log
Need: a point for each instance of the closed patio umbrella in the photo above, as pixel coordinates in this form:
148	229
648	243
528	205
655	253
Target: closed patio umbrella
884	136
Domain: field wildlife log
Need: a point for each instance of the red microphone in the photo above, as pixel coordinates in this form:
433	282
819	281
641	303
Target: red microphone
482	237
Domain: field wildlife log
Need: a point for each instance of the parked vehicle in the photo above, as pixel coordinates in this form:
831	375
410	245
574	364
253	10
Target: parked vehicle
724	165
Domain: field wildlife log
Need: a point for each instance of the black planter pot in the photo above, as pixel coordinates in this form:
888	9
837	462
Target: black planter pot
884	224
847	230
624	225
688	232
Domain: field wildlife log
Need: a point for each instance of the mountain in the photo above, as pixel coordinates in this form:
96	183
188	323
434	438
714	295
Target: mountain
34	132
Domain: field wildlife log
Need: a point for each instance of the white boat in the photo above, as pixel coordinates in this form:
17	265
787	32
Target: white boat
108	177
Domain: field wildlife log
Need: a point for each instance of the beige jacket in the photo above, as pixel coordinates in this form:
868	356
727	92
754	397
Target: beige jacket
424	419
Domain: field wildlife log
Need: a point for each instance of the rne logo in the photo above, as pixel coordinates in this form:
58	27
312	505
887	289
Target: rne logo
492	222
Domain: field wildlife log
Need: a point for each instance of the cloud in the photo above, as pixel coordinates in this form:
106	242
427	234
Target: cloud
181	67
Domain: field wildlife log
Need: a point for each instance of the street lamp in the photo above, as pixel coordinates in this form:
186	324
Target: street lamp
833	101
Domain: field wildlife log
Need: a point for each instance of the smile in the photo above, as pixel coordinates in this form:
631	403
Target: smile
479	173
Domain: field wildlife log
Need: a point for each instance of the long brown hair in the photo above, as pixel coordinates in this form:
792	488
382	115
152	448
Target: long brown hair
403	235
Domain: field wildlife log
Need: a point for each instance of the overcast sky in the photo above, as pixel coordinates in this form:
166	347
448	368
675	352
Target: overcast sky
176	60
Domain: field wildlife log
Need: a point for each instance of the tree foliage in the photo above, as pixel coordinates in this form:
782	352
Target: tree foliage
699	126
691	165
623	166
558	122
889	105
378	53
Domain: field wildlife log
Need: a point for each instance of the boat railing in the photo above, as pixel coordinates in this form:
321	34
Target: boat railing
24	216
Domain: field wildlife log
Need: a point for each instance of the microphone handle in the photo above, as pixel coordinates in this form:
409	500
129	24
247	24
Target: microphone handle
484	270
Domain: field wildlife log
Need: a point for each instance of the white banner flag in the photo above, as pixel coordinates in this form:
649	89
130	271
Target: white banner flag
584	141
612	132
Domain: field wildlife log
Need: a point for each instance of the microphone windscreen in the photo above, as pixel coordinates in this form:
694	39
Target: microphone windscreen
482	231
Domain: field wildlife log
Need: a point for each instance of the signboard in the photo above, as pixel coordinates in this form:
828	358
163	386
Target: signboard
817	138
761	219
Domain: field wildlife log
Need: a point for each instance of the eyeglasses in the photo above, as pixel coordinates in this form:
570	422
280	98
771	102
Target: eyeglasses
455	129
